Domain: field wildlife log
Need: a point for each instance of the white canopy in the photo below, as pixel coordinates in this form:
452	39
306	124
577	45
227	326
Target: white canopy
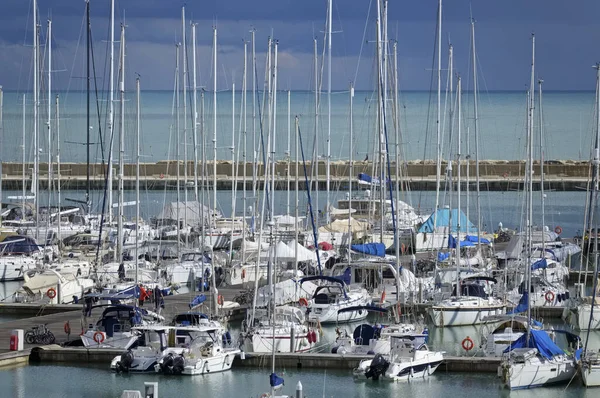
342	226
288	291
304	254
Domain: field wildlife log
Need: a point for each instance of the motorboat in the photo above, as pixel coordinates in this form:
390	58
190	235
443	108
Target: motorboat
18	254
201	349
369	339
331	296
190	266
409	358
118	327
152	343
52	287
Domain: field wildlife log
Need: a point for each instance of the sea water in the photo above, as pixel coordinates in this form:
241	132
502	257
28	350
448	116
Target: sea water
568	122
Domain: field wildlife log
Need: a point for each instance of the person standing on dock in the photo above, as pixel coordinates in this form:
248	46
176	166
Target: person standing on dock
158	300
143	295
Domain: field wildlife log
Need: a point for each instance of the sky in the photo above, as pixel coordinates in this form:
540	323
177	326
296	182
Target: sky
567	41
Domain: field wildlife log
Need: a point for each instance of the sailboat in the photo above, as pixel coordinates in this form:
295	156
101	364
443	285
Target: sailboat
534	360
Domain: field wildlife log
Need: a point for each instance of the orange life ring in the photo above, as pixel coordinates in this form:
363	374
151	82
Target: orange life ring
51	293
558	229
303	302
467	344
220	300
99	337
67	327
403	248
162	176
549	296
243	273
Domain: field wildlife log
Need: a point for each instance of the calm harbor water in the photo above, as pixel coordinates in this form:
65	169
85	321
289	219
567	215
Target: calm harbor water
42	381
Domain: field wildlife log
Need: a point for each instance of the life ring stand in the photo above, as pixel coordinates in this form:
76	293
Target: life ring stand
99	337
303	302
549	296
558	229
51	293
220	300
467	344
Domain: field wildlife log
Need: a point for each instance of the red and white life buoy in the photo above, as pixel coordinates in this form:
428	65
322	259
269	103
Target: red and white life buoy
467	344
558	229
99	337
51	293
549	296
303	302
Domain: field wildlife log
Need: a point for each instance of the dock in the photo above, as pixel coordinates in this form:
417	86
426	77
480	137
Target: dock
494	175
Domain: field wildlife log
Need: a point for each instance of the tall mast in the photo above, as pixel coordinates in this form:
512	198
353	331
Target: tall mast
88	200
49	123
244	156
214	149
24	133
137	177
111	107
288	152
274	105
185	142
542	194
254	150
530	183
195	99
1	139
36	152
439	107
351	172
475	104
203	207
233	171
380	122
397	152
177	146
297	194
121	148
57	118
458	155
329	22
315	166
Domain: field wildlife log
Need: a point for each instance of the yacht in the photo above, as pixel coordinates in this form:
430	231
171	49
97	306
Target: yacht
152	343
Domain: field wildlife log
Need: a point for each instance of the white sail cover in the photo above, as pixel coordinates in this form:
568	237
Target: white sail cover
342	226
286	292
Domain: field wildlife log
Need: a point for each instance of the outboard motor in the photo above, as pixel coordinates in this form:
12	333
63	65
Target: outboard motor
125	363
167	364
379	365
178	364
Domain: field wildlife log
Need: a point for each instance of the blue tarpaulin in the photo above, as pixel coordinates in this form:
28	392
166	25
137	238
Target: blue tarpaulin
373	249
199	299
539	264
470	238
522	306
462	243
539	339
275	381
442	256
367	178
443	217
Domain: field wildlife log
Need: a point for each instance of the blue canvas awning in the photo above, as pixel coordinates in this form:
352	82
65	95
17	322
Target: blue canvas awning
443	217
540	340
372	249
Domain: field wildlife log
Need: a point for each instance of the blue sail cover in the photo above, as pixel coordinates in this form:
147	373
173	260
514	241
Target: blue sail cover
543	264
443	256
443	221
346	277
471	238
540	340
462	243
199	299
373	249
367	178
522	306
275	381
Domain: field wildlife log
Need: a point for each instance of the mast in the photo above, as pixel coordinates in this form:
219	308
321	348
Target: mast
1	139
297	207
530	185
397	154
476	125
57	118
214	212
137	177
233	171
36	152
49	125
328	175
184	86
380	123
542	194
458	155
111	106
244	157
203	206
254	150
177	145
121	148
88	200
351	172
23	158
288	152
195	105
315	165
439	107
274	124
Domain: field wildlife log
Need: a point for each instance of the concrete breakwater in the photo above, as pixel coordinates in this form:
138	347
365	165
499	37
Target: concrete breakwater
562	175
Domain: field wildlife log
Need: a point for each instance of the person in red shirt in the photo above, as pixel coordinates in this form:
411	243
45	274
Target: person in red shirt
143	295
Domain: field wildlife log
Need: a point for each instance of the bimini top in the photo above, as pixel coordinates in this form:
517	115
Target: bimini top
370	308
540	340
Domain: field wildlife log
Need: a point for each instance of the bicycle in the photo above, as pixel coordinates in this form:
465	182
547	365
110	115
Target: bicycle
39	335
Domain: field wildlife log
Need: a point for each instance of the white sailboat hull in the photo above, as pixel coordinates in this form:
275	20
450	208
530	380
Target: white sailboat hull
537	372
590	373
443	315
14	268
